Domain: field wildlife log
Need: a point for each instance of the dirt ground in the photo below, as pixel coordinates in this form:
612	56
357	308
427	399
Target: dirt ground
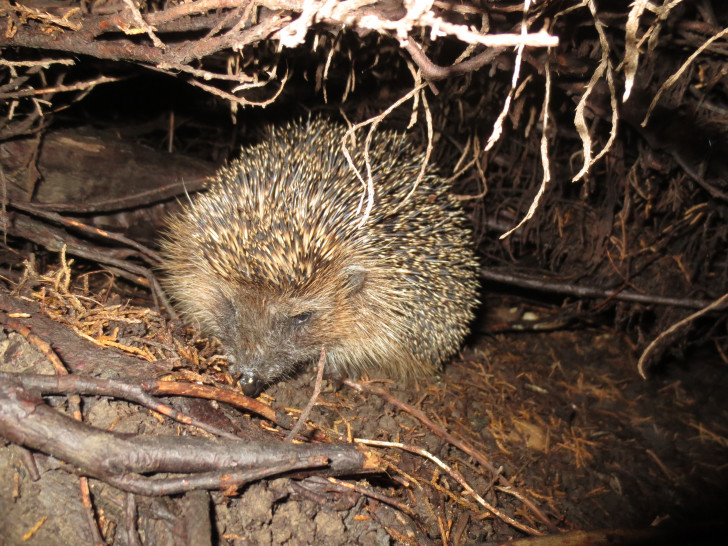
562	415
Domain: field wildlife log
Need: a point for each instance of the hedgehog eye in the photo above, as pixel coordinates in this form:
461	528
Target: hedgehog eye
301	318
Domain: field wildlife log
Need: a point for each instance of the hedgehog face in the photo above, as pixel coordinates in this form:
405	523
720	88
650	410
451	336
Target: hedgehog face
267	340
269	335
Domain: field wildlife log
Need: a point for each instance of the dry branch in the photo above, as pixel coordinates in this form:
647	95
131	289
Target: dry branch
121	460
140	394
57	240
167	40
590	292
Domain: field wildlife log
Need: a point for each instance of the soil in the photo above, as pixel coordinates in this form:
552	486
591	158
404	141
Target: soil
563	415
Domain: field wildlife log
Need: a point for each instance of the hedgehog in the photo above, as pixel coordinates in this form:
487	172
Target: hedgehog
275	260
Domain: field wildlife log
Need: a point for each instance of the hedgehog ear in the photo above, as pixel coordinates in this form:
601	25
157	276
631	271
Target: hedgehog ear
356	277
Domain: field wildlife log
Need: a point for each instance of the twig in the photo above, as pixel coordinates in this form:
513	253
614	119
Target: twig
545	161
222	395
43	63
39	343
374	122
676	76
144	198
605	66
152	256
75	384
225	480
34	13
139	20
544	285
59	88
90	512
240	100
498	123
287	20
131	517
458	478
50	237
436	72
672	332
367	493
309	406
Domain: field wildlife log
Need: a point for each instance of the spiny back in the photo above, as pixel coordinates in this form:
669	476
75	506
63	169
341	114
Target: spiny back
273	259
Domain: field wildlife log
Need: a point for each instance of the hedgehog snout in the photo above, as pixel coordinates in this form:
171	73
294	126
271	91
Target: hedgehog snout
253	374
251	385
